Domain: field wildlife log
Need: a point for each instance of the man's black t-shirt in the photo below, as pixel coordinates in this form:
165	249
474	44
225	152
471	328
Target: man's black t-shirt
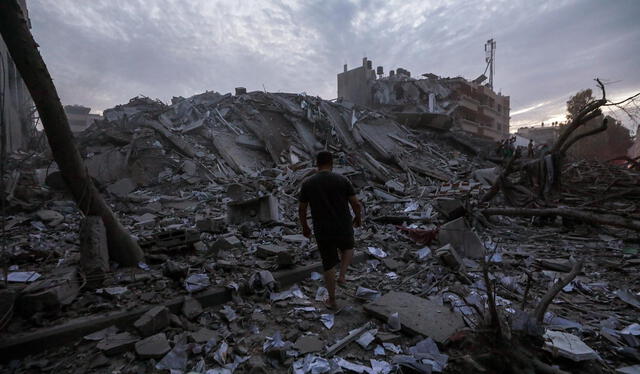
328	195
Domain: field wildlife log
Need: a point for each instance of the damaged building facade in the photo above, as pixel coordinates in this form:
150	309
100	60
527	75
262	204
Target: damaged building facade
17	106
470	106
80	117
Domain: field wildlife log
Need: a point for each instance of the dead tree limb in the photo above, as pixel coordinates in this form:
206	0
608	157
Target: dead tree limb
495	188
546	300
24	51
599	129
598	219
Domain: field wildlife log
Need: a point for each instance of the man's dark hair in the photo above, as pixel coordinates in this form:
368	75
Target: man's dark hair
324	158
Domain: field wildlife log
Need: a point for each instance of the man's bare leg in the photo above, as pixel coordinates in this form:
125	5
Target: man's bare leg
330	283
345	261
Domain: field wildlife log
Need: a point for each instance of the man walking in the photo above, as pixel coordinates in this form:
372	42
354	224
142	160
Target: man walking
329	195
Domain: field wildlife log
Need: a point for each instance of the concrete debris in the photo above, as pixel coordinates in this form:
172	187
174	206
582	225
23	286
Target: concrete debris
569	346
191	308
50	294
154	346
417	315
465	241
153	321
209	184
117	344
308	344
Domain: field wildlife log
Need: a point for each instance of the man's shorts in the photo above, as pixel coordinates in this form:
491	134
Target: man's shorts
328	248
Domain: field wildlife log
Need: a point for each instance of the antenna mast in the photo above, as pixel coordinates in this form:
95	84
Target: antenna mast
490	51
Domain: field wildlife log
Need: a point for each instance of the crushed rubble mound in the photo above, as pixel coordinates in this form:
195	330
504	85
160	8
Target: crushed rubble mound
208	185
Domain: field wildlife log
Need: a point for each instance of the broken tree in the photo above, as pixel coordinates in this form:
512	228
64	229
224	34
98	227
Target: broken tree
24	51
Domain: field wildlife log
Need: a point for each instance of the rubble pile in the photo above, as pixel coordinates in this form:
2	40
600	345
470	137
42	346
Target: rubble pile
209	185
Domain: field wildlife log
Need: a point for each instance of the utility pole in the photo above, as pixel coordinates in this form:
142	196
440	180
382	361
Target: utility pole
24	52
490	52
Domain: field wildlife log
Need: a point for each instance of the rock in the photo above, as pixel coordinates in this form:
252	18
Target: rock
391	264
200	247
153	321
123	187
51	217
297	238
465	241
225	243
154	346
256	365
116	344
191	308
309	343
203	335
190	168
285	260
175	321
270	250
450	208
175	270
211	224
61	288
449	256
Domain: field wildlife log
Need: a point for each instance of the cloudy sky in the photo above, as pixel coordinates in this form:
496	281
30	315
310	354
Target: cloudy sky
103	52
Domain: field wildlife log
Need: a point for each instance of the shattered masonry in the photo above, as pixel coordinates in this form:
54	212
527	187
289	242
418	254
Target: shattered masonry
208	185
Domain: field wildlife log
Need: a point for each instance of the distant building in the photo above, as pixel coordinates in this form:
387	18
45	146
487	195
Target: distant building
79	117
473	107
17	106
540	134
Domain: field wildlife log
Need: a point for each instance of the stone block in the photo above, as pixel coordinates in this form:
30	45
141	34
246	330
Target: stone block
61	288
117	344
153	321
460	236
270	250
191	308
261	209
154	346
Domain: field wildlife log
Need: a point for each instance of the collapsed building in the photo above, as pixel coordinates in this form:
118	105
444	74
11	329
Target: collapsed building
208	185
17	108
469	106
80	117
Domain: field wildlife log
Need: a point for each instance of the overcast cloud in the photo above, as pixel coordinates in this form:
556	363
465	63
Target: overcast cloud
103	52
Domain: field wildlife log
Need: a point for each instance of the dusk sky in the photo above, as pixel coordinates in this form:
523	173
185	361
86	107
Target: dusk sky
103	52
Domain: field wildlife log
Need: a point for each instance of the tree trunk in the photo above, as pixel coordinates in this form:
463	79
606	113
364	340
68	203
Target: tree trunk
599	219
24	51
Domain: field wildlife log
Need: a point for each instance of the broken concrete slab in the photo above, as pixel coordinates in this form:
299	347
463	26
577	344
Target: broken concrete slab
118	343
191	308
417	315
450	257
261	209
61	288
203	335
450	208
308	344
123	187
569	346
153	321
225	243
154	346
270	250
465	241
211	224
50	217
